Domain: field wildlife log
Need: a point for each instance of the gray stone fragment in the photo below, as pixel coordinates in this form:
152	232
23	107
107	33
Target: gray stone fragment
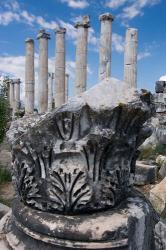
162	171
145	173
158	197
160	235
160	86
3	210
124	228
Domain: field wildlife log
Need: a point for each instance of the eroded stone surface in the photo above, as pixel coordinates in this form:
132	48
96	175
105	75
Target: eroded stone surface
73	170
158	197
160	235
145	173
162	171
123	228
82	156
3	210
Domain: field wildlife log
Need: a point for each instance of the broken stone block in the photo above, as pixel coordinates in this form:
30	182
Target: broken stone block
160	235
145	173
160	86
160	159
158	197
162	171
3	210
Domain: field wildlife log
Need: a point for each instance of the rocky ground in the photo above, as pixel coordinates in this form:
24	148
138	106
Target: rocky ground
6	193
6	188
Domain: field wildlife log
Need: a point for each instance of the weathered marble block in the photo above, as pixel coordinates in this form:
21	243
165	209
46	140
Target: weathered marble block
73	171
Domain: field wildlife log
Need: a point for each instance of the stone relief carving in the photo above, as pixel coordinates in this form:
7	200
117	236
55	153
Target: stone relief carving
80	159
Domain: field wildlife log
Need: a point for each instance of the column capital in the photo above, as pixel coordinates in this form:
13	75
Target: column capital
11	81
42	34
106	16
85	23
29	40
16	81
60	30
132	34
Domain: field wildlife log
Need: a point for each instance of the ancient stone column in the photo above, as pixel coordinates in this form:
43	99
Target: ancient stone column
50	91
12	96
43	71
81	55
72	175
130	57
60	67
17	94
105	46
29	76
66	87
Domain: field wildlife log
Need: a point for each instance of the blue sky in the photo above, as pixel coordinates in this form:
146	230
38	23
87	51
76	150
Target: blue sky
20	19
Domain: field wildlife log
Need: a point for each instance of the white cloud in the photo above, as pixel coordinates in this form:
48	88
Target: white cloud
12	5
71	31
44	24
114	4
117	43
27	17
162	78
8	17
14	13
136	8
76	4
143	55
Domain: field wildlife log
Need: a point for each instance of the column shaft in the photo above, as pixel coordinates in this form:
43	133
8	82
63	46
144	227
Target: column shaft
60	67
12	96
66	87
105	46
81	55
43	71
29	76
17	94
50	91
130	57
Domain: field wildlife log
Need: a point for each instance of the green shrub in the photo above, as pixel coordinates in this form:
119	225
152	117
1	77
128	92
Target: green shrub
4	175
151	152
160	149
147	153
4	117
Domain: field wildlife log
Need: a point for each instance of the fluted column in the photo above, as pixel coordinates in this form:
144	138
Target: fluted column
81	55
60	67
66	87
130	57
11	94
29	76
105	49
43	71
50	91
17	83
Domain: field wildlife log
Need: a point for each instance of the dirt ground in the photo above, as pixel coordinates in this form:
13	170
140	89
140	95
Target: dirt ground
6	193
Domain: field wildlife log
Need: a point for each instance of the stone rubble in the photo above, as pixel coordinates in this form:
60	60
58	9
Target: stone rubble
158	197
160	235
145	174
162	171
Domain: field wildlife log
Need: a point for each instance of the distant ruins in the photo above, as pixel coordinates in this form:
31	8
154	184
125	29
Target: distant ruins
73	168
47	100
160	101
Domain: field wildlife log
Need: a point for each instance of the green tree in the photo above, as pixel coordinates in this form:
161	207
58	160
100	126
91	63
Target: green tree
4	108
